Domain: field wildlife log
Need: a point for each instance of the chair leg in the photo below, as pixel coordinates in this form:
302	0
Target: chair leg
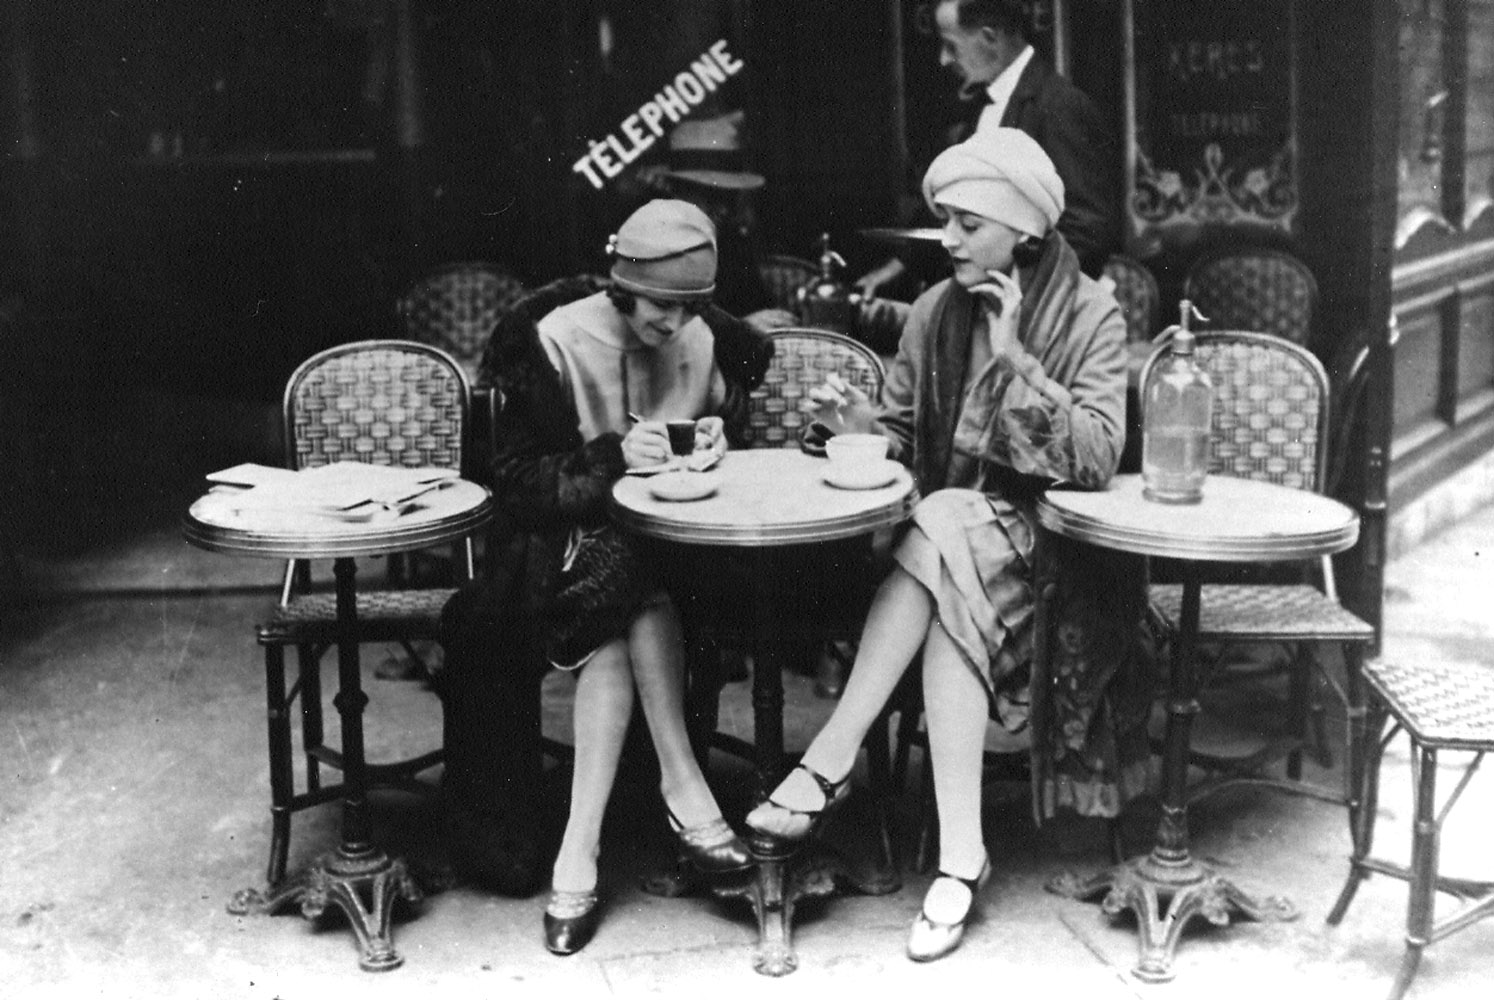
879	772
308	660
1365	752
1424	845
282	777
1300	696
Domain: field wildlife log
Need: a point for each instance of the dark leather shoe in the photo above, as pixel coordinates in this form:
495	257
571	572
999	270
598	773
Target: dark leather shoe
713	848
571	920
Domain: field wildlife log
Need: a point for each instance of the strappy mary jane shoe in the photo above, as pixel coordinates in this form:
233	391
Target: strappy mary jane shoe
713	847
835	792
571	920
931	939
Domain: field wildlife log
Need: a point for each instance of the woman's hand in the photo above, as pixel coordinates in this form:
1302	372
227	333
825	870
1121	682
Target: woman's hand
647	443
1001	298
710	434
840	407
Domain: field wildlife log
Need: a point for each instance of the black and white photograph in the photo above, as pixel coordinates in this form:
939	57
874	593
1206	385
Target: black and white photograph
746	498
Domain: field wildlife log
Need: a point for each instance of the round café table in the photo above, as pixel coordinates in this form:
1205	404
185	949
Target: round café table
1238	520
767	501
359	878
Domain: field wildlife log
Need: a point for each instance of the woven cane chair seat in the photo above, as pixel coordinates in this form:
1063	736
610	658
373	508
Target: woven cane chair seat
383	616
1441	704
1136	291
785	275
1266	290
1262	613
802	357
456	307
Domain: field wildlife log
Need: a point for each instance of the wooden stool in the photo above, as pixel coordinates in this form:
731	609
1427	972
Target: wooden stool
1441	706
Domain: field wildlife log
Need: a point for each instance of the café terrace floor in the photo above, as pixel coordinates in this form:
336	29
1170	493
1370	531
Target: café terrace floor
134	801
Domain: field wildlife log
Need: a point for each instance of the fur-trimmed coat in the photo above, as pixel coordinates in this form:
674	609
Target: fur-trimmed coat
545	478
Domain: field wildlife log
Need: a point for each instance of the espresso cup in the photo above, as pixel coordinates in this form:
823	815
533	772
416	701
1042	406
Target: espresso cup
681	436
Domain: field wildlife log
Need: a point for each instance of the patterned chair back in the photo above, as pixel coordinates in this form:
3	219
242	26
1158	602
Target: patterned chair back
785	275
1271	408
802	357
1136	291
1265	290
456	307
386	402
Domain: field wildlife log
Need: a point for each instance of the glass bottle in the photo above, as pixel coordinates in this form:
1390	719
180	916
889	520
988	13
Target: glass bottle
1177	408
827	302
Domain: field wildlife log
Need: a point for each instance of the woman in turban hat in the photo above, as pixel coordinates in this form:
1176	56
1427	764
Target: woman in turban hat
1010	377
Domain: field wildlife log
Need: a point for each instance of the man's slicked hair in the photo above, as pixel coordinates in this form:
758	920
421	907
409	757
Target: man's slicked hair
1008	16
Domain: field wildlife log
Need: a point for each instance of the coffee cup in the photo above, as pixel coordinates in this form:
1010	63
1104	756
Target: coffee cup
856	450
681	436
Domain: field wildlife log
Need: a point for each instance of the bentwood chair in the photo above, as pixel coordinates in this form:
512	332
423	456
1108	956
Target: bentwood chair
1136	291
1271	423
385	402
456	307
1440	706
785	275
1266	290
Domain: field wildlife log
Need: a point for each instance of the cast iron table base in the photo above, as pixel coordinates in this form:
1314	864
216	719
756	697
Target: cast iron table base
364	888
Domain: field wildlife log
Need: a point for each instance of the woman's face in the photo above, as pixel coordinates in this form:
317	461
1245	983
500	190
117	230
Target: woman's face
654	321
977	245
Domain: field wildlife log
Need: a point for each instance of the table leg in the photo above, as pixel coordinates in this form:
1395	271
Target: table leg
785	872
358	878
1169	876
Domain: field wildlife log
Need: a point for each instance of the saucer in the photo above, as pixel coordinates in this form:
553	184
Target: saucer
681	486
861	477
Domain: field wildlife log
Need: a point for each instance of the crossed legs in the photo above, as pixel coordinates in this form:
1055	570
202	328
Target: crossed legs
901	621
651	659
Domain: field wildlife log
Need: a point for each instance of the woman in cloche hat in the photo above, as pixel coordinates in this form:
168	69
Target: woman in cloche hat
575	366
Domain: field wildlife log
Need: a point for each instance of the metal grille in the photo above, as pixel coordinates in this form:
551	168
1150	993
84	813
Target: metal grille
801	360
1255	290
384	402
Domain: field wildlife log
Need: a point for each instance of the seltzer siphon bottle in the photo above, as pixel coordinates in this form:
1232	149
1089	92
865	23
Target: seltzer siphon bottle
1177	408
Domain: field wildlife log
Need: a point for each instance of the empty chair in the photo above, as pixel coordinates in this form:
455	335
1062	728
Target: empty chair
1439	706
455	308
386	402
1136	291
1266	290
1270	423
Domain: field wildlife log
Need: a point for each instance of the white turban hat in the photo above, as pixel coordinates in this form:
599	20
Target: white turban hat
1001	174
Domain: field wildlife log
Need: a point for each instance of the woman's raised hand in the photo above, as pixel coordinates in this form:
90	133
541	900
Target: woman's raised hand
646	444
1001	297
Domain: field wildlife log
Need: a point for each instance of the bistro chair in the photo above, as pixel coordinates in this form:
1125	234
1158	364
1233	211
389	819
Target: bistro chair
802	357
386	402
1136	291
455	308
1271	423
785	275
1266	290
1439	706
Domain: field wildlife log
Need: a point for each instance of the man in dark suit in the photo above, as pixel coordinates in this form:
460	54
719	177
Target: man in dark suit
1005	83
